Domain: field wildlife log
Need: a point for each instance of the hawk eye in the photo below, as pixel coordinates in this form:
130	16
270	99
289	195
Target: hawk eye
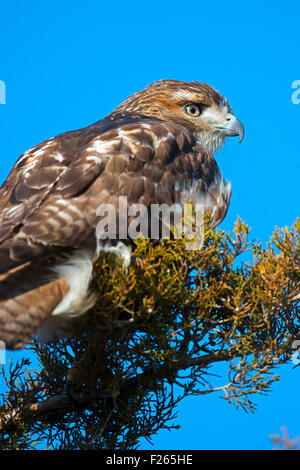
192	109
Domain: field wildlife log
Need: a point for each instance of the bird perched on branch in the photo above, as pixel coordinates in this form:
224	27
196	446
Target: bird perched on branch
155	148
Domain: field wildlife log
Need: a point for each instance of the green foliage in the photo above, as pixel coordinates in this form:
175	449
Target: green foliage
162	323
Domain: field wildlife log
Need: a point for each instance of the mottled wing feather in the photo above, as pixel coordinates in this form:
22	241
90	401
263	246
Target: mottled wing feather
50	199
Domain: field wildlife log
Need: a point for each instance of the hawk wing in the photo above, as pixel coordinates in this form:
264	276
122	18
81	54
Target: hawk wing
50	198
49	202
34	197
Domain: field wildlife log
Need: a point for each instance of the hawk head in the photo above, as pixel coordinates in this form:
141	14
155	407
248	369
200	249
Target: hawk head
195	105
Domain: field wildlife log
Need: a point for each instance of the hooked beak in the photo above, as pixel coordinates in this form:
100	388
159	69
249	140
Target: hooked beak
231	127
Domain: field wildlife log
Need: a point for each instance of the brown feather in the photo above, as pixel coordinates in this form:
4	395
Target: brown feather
28	295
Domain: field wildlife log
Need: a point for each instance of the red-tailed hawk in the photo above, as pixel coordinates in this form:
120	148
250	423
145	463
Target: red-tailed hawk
153	148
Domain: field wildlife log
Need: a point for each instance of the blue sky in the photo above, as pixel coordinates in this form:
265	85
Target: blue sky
67	64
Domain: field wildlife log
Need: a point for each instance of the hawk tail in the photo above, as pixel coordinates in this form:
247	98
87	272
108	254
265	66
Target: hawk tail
28	295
